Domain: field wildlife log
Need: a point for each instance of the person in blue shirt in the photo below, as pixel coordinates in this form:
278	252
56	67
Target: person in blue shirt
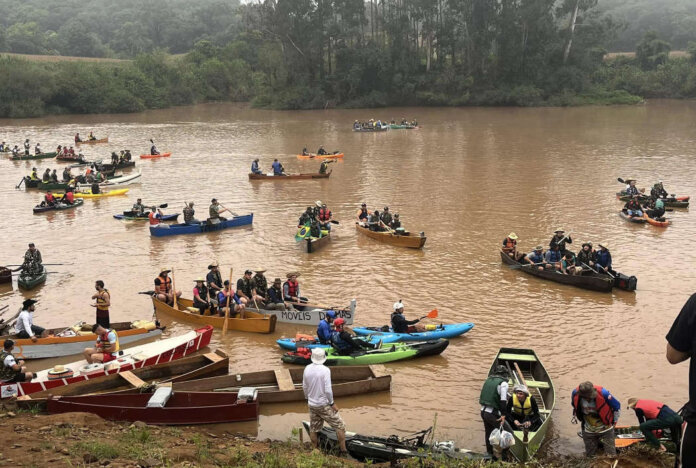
236	306
553	257
536	258
255	167
324	328
278	169
603	261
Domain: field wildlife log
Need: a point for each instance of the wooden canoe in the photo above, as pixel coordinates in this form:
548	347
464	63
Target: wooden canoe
525	368
321	156
253	176
136	357
155	156
187	368
181	409
314	243
54	346
413	241
24	157
283	385
92	142
591	280
252	322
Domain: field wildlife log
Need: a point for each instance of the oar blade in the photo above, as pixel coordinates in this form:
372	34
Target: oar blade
432	314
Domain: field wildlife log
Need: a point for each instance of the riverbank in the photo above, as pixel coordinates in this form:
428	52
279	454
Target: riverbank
80	439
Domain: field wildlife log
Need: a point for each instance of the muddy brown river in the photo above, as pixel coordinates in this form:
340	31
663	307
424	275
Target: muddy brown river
467	178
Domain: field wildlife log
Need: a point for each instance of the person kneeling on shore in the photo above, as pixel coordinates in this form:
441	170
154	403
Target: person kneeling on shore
107	347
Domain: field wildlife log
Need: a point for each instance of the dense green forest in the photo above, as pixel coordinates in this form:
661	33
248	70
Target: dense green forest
297	54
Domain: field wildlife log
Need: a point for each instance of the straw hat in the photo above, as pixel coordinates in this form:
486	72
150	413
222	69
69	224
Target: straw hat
513	236
60	371
165	270
632	402
604	245
559	230
291	274
318	203
199	279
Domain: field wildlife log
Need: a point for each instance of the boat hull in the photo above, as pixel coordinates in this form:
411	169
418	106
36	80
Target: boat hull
92	142
163	230
155	156
632	219
252	322
30	282
413	241
58	206
22	157
168	217
311	316
655	222
442	331
315	243
671	202
267	177
320	156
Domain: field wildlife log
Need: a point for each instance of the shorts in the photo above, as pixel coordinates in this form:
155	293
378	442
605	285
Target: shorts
318	415
20	377
38	331
108	357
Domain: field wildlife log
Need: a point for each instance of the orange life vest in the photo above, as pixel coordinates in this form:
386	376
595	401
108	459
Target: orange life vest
606	414
510	243
153	219
166	285
651	408
324	214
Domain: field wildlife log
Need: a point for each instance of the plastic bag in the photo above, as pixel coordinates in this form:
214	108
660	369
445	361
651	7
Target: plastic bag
501	438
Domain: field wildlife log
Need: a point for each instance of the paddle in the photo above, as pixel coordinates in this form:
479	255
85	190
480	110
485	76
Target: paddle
174	290
20	183
388	228
432	314
149	293
514	267
230	211
227	310
588	266
130	213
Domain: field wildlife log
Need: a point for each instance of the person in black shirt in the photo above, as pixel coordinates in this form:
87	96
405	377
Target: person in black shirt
560	239
214	282
400	324
681	346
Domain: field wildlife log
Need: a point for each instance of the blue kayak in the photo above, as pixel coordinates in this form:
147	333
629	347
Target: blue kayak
292	344
442	331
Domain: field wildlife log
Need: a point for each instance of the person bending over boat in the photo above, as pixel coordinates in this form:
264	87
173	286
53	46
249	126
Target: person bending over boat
278	169
586	255
102	302
633	208
363	215
12	370
163	287
255	167
569	265
346	344
291	291
214	211
324	217
24	325
201	299
597	410
324	327
107	347
510	245
652	416
236	304
493	401
561	240
321	151
604	260
400	324
49	199
522	410
536	258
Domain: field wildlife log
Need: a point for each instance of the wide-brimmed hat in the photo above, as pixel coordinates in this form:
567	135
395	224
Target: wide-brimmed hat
277	280
293	273
521	388
500	370
632	402
513	236
199	279
630	179
165	270
559	230
538	247
318	203
258	272
318	355
29	302
587	390
604	245
58	370
215	264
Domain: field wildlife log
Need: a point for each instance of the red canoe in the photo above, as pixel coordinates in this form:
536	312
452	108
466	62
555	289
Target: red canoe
182	408
153	156
133	358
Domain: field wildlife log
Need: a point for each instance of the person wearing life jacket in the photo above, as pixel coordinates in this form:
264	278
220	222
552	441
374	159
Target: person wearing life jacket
363	215
324	166
12	370
324	328
510	245
77	138
69	197
536	258
346	344
400	324
71	152
631	189
603	259
652	416
522	410
291	291
324	217
34	175
155	216
201	299
163	287
597	410
102	302
493	401
278	169
236	305
49	199
107	347
255	167
91	136
633	208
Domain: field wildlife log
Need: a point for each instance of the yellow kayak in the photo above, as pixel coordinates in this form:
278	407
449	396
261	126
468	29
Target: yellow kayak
89	194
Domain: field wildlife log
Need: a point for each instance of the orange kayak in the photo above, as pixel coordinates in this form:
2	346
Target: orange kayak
321	156
655	222
153	156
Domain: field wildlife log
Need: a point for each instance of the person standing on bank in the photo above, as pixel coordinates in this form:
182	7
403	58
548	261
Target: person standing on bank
653	415
597	410
493	401
681	346
316	385
102	303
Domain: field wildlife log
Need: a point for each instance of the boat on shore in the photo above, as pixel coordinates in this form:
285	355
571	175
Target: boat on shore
24	157
389	352
162	230
252	322
321	156
410	240
310	314
93	142
65	341
59	206
524	367
28	281
144	355
287	177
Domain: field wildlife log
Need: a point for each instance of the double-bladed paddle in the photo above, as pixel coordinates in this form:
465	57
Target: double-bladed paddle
432	314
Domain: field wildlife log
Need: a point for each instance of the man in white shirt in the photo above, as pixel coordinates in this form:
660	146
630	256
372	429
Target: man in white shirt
25	323
11	369
316	384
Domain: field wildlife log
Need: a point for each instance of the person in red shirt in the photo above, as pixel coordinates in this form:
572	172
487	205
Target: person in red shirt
155	216
653	415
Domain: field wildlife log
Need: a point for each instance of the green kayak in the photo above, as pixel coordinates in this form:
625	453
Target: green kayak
26	281
387	353
23	157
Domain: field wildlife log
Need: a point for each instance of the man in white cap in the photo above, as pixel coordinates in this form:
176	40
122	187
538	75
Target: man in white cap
399	322
316	384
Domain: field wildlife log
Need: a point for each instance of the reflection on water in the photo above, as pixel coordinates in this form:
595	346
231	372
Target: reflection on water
467	178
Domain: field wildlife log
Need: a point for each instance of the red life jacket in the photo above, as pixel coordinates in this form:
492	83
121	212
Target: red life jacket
50	198
292	288
166	284
651	408
509	243
606	414
324	214
153	219
70	197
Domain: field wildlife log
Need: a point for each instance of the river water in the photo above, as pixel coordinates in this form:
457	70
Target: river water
467	178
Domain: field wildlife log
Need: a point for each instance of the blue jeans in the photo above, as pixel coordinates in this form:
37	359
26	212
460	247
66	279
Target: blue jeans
638	213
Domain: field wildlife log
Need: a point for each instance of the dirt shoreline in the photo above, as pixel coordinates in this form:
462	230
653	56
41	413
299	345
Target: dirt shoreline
81	439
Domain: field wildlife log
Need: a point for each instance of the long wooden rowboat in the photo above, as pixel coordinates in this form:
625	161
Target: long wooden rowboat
252	321
525	368
132	358
413	241
162	230
187	368
283	385
24	157
591	280
182	408
54	346
92	142
320	156
253	176
314	243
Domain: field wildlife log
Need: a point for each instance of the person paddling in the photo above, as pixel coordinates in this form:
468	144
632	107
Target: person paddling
278	169
155	216
400	324
324	327
345	343
153	149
